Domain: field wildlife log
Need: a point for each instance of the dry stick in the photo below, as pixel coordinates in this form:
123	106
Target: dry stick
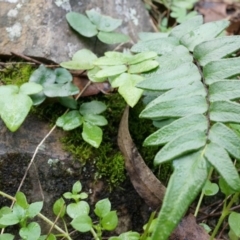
26	58
43	140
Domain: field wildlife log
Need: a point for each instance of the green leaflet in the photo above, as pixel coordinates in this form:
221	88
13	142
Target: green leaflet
112	37
221	69
190	173
219	158
82	59
186	27
225	111
111	71
203	33
102	22
216	49
146	36
143	66
224	90
160	46
226	138
181	145
140	57
182	75
176	108
194	89
176	129
81	24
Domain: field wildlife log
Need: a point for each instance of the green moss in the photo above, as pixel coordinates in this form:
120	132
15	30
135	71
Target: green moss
16	74
107	158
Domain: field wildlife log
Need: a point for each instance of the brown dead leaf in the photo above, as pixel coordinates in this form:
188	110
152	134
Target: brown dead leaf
142	178
93	89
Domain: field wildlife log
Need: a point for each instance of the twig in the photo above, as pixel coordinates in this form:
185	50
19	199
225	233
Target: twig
26	58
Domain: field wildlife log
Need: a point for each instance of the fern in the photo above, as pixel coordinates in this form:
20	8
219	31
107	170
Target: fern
198	94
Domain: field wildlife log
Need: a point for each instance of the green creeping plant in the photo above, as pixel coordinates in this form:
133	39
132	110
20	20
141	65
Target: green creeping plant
197	99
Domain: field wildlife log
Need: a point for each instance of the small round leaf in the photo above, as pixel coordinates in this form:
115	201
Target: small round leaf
82	223
81	24
93	107
78	209
110	221
112	37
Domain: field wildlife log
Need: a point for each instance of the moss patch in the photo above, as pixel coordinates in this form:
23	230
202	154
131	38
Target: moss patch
16	74
108	160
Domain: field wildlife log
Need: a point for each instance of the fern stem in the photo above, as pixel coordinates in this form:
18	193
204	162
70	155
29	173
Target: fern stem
226	211
202	194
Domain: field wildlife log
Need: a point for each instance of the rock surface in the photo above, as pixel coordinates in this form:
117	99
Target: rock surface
39	28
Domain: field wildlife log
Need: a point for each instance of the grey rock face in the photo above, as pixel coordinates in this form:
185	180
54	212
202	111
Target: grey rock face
39	28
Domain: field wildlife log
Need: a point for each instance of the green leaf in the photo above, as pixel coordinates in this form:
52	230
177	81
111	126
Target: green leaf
225	187
182	75
181	145
127	236
109	61
85	58
82	223
102	207
70	120
216	49
8	90
92	75
103	23
220	160
20	212
61	90
81	24
226	138
140	57
146	36
176	129
186	27
234	223
32	231
68	102
112	37
43	76
126	83
224	90
160	46
190	173
6	236
38	98
225	111
111	71
21	200
176	108
14	109
109	221
93	107
92	134
9	219
59	207
51	237
80	208
30	88
203	33
143	66
34	209
210	189
194	89
95	119
77	187
62	75
221	69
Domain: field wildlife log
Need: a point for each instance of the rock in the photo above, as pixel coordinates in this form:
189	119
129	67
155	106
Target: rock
39	28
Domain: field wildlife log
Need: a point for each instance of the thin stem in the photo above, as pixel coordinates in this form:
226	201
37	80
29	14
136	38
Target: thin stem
225	213
94	234
144	236
202	194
